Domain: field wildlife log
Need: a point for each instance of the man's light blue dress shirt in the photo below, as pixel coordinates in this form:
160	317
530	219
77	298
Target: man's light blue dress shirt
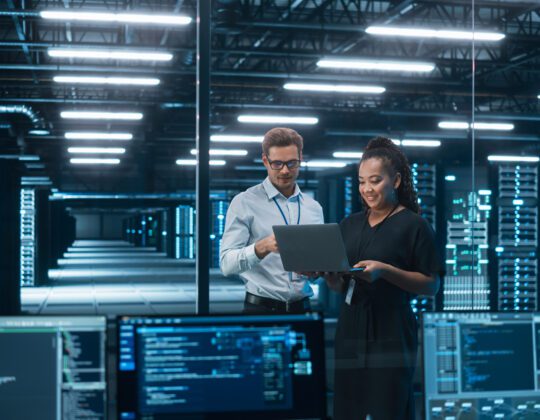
250	218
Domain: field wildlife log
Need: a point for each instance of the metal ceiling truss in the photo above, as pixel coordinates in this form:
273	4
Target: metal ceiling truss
258	45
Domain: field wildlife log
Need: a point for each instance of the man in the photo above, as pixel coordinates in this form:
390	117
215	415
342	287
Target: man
249	247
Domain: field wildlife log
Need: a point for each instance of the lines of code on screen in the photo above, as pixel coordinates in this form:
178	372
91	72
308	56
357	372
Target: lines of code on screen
247	369
52	368
493	354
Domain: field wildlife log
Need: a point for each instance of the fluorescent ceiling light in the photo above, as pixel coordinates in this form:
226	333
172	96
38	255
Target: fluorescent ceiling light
97	115
39	132
507	158
28	158
379	65
277	119
433	33
94	161
116	17
232	138
223	152
95	80
420	143
28	183
109	54
217	162
88	135
347	155
454	125
315	87
97	150
324	164
461	125
450	178
492	126
193	162
35	178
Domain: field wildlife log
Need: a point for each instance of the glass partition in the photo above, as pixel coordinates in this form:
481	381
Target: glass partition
341	74
506	152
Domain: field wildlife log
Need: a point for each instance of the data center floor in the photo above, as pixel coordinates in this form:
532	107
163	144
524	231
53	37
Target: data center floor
114	277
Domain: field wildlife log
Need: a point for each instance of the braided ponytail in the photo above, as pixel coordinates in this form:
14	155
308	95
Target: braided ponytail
394	161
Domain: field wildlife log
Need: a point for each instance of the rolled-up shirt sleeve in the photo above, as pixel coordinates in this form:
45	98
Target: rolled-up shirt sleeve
237	254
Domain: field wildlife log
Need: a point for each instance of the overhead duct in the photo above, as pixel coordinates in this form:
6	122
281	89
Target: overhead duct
25	110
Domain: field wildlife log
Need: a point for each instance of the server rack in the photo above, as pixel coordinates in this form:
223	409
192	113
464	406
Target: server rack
28	236
219	211
517	247
184	232
425	184
467	284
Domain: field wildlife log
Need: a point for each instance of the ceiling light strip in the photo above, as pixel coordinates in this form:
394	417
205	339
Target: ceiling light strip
109	54
98	115
277	119
510	158
193	162
408	32
315	87
97	150
147	18
94	161
462	125
97	80
91	135
376	65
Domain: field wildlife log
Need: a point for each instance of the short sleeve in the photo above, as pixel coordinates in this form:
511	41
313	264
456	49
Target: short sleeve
426	258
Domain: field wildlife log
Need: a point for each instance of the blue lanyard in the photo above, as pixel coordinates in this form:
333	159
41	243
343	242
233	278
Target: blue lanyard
283	214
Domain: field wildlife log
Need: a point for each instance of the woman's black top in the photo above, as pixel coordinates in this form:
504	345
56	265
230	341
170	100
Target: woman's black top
376	337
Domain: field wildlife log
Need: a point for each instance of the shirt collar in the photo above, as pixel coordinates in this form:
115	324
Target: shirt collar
273	192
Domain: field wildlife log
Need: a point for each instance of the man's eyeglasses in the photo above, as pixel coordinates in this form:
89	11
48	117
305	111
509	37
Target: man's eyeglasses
278	165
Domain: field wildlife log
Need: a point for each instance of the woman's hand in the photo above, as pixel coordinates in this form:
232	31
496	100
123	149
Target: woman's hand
372	270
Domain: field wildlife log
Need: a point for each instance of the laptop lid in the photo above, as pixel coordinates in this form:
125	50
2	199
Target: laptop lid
308	248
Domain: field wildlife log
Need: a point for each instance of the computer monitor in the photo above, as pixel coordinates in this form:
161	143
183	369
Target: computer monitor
219	367
481	365
52	368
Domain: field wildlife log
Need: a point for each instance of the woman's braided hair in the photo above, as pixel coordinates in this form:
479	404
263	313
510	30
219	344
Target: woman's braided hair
394	161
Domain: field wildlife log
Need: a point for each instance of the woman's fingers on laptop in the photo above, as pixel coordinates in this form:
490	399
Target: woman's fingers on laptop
372	270
363	264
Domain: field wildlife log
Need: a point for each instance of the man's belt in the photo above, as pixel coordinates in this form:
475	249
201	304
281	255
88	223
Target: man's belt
275	305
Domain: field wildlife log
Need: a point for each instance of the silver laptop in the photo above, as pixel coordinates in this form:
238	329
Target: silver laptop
308	248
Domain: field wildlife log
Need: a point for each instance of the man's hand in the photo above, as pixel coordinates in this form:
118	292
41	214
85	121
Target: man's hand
311	274
335	281
266	246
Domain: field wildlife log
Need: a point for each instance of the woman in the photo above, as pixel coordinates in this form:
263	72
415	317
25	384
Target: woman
376	336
